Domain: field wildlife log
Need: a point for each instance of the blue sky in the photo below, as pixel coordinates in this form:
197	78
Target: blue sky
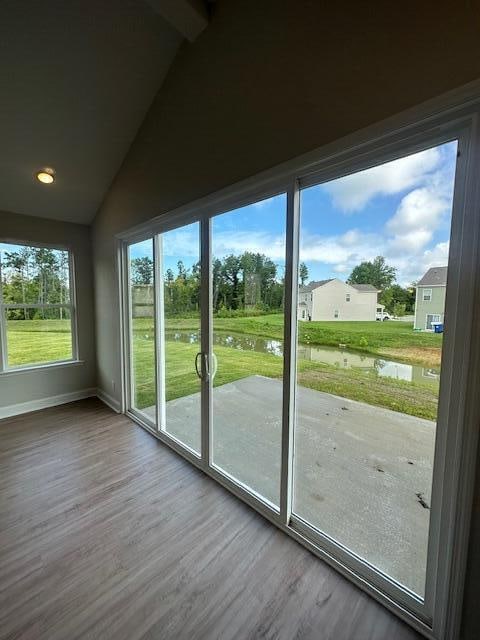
400	210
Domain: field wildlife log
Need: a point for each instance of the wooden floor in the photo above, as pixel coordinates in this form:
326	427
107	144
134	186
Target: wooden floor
106	533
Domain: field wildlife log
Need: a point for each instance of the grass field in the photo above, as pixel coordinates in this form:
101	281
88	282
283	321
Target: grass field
39	341
407	397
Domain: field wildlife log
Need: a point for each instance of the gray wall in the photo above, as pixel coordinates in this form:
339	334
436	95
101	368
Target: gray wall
36	385
265	82
435	306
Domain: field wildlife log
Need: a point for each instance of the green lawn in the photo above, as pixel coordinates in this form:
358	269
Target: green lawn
38	341
407	397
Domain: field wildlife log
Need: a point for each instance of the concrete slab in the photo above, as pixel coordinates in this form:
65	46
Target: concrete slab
358	469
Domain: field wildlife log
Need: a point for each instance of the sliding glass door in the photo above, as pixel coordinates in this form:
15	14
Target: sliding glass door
300	349
248	292
374	248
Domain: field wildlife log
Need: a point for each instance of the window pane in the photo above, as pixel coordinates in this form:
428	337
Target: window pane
36	336
368	371
248	246
142	321
34	275
180	249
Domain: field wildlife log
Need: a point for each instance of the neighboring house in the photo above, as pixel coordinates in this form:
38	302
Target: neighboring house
335	300
430	298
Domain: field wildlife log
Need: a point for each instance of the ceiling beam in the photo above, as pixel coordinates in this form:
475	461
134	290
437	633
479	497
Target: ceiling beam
188	17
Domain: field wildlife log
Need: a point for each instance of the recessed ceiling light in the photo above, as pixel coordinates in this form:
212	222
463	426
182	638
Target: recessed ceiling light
46	175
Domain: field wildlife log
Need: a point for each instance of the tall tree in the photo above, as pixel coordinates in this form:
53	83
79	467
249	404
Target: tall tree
142	270
377	273
182	272
303	274
231	270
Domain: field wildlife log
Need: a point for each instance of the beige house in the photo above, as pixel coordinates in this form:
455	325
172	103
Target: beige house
336	300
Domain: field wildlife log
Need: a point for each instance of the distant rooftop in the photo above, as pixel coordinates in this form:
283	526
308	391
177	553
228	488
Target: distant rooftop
364	287
436	276
315	284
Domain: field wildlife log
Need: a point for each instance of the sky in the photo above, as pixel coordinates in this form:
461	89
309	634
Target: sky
400	210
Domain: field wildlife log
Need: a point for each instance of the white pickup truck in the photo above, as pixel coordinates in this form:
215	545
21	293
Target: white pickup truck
382	315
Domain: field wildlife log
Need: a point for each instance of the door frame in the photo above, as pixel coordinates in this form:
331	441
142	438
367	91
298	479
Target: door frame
454	116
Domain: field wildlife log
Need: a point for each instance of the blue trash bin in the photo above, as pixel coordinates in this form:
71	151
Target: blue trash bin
438	327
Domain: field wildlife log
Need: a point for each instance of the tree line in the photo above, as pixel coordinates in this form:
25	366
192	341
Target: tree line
250	281
35	275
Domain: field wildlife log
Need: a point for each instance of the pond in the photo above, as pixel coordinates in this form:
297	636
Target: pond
336	357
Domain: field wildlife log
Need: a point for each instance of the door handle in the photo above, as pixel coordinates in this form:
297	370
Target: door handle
199	373
215	365
206	365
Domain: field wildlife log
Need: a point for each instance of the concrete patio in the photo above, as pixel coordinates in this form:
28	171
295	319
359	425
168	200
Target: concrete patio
362	474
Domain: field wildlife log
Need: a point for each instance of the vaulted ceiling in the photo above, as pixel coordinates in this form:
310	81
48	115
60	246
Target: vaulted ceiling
77	79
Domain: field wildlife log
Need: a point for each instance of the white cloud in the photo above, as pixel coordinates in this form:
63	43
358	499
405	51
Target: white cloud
183	242
263	203
272	245
408	254
353	192
420	209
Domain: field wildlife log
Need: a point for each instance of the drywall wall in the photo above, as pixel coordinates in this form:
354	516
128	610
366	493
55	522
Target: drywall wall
265	82
67	380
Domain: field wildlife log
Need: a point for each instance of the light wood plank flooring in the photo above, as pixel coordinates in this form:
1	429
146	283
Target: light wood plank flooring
106	533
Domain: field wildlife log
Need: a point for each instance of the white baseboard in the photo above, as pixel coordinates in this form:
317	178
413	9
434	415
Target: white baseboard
108	400
43	403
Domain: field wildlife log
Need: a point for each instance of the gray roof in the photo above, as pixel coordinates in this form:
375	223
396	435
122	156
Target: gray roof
319	283
314	285
436	276
364	287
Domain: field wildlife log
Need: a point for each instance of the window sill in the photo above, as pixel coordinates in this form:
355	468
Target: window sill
41	367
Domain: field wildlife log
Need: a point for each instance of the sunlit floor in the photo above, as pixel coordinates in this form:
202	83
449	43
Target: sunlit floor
362	474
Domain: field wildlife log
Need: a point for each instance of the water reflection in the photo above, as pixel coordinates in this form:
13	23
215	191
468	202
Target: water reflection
340	358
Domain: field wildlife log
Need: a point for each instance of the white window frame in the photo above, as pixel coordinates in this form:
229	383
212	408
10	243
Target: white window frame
435	315
452	117
336	313
347	297
5	368
426	297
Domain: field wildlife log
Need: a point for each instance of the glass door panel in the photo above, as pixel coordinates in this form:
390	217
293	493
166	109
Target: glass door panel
248	264
179	334
142	329
369	358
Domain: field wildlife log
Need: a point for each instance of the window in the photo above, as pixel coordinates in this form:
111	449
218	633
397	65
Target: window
427	295
432	319
37	315
347	297
335	313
